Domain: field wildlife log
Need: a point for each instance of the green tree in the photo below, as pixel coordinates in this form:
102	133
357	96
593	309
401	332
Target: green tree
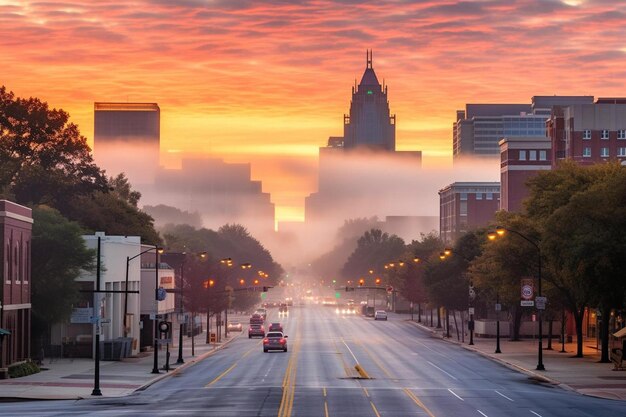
58	256
121	188
43	157
374	249
584	240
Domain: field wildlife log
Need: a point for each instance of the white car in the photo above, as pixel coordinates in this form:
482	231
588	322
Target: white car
380	315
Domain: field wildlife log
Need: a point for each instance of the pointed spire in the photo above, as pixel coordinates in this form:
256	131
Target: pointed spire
369	58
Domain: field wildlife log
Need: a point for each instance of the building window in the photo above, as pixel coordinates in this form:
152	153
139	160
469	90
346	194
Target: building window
621	151
621	134
543	155
604	152
587	152
587	134
605	134
463	208
489	196
479	196
463	196
532	155
522	155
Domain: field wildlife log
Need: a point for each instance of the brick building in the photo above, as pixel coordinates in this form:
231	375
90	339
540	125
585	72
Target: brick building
16	229
465	206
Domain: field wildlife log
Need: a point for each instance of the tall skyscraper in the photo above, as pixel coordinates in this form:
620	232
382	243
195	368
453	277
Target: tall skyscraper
360	173
127	139
369	123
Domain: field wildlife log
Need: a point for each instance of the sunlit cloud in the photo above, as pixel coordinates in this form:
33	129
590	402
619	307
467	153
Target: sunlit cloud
237	77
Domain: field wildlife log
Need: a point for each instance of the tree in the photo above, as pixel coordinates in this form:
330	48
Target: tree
503	262
584	240
58	256
164	215
43	158
374	249
121	188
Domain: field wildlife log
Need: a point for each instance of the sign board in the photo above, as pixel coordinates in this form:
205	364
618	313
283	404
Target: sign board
105	321
389	289
167	280
472	293
498	307
161	294
541	302
471	310
527	289
156	316
81	315
163	341
527	303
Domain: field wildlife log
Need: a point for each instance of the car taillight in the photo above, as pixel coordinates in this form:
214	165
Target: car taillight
266	341
282	341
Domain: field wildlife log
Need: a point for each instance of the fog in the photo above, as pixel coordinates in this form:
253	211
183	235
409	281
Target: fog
392	187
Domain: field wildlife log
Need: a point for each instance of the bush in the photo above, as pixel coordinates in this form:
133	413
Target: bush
23	369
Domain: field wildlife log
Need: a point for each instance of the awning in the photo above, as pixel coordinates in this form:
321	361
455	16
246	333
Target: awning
4	332
620	333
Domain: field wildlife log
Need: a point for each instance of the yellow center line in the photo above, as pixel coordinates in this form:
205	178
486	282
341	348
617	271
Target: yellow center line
221	375
376	361
289	383
367	394
324	391
374	408
325	409
418	402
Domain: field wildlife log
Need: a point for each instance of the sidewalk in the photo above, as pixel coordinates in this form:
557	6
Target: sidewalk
584	375
74	378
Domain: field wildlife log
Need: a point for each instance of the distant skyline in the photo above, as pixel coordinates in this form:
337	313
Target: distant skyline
269	82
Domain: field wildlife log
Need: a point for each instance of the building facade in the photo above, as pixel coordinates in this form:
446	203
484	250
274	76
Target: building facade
127	139
15	312
589	133
464	206
521	158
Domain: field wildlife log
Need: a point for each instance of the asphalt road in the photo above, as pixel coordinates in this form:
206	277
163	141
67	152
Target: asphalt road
411	375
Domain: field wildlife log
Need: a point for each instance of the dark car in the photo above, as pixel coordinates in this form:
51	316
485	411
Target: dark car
275	341
256	330
275	327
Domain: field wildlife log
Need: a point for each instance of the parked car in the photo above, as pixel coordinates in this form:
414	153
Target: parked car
380	315
275	341
256	330
275	327
234	326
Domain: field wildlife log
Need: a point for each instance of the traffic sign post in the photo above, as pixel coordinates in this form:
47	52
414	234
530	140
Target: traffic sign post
541	302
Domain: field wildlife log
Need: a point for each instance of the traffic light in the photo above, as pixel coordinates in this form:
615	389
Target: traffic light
361	282
377	281
265	289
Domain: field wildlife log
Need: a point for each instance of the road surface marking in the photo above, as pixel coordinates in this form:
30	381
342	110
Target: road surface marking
374	408
482	413
376	361
349	350
535	413
453	393
289	382
324	391
450	375
367	394
220	376
418	402
503	395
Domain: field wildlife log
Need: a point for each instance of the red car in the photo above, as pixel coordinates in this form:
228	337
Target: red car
275	327
256	330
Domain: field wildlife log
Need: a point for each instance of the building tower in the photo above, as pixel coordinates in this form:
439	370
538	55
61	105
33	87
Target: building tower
369	123
127	139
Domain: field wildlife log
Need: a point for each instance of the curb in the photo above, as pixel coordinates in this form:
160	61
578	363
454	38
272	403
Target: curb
187	364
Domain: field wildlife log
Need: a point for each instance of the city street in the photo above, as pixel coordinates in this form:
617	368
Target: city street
411	374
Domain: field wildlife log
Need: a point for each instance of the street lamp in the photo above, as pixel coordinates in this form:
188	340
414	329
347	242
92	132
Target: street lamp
501	231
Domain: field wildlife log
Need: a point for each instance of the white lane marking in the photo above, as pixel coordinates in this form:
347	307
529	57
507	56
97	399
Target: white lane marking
453	393
450	375
482	413
503	395
349	350
535	413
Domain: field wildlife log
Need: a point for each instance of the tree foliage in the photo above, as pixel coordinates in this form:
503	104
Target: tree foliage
43	158
59	255
374	249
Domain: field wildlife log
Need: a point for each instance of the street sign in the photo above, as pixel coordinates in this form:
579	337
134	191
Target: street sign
527	289
527	303
541	302
389	289
498	307
105	321
161	294
163	341
471	310
156	316
472	293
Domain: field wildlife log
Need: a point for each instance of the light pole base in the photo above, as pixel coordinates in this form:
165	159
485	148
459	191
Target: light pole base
540	367
180	361
155	371
498	351
96	392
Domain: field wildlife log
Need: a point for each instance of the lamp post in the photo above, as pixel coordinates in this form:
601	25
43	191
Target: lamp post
500	231
155	367
498	308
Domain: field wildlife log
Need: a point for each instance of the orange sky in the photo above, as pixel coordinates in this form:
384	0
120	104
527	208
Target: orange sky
268	82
